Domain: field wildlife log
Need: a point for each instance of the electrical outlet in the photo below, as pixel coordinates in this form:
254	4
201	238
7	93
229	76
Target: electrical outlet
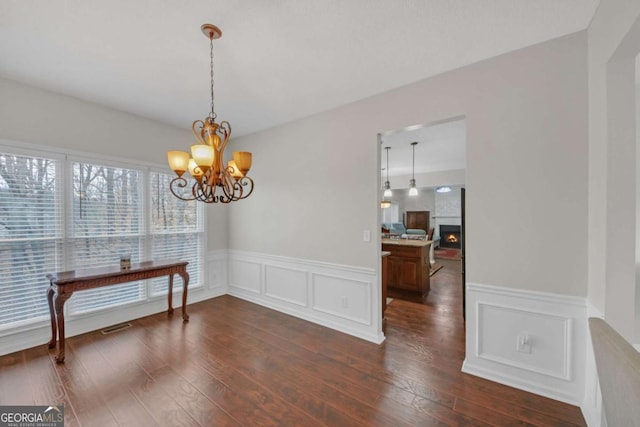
523	344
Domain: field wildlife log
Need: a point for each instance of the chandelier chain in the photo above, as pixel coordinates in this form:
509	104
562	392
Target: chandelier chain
212	114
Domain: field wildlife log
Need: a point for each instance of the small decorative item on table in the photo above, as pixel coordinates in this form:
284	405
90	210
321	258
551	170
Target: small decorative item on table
125	262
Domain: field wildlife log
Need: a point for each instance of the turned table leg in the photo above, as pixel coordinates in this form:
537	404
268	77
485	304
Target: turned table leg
185	284
54	330
59	306
170	295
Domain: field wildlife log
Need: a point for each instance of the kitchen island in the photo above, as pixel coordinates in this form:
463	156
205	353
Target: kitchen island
408	265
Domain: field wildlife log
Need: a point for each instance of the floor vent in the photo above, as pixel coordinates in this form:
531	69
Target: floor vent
116	328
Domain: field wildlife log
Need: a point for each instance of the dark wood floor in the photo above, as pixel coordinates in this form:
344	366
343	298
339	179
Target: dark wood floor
236	363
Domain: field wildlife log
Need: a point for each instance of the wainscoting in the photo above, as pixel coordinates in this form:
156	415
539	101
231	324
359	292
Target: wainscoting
340	297
551	361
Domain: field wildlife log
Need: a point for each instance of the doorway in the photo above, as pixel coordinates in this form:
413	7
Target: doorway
436	167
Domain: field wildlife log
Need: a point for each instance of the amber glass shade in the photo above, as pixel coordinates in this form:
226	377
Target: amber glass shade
385	204
235	172
202	155
195	170
243	161
178	161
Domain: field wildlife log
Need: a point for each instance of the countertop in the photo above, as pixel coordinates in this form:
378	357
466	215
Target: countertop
407	242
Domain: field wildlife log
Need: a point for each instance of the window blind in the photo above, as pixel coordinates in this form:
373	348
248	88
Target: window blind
176	230
30	233
107	223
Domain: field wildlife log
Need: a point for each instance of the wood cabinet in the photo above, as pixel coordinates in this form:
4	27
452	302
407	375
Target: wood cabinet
408	265
417	219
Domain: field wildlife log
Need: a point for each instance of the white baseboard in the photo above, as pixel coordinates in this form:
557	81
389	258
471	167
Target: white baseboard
556	328
339	297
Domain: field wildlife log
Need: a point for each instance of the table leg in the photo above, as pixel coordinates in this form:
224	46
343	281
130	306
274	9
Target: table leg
59	305
170	295
185	284
54	330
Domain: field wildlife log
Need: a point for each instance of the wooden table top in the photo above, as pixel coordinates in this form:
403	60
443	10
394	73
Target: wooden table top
115	270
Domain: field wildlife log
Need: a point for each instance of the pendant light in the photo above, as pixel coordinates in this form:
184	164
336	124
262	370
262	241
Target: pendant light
387	185
384	204
413	191
213	181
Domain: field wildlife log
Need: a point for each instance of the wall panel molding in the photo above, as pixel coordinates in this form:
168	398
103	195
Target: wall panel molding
552	364
340	297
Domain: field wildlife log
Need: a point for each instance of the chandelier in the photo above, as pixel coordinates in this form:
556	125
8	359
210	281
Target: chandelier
214	182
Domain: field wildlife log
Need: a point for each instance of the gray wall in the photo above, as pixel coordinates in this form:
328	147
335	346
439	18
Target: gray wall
526	114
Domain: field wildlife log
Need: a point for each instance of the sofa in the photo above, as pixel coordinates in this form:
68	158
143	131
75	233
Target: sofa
399	228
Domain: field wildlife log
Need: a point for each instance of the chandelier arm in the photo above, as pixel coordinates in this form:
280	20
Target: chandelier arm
225	129
196	133
227	184
245	181
179	182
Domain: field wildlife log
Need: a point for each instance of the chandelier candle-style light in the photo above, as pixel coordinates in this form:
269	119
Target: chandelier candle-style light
215	182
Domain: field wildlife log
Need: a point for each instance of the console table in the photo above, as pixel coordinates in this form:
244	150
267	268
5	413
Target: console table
63	285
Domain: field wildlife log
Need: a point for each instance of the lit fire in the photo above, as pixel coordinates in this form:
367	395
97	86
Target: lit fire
451	238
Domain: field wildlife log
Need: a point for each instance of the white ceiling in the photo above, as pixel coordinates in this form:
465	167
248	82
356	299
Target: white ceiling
440	147
277	60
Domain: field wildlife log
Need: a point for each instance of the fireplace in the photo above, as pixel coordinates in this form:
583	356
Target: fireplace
450	236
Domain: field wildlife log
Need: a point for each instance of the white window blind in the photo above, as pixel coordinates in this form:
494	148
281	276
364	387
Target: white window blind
107	222
176	230
30	233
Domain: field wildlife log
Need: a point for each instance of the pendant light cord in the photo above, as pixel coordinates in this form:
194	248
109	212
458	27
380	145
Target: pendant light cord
413	166
387	148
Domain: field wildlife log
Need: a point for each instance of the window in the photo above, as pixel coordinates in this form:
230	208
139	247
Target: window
58	214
